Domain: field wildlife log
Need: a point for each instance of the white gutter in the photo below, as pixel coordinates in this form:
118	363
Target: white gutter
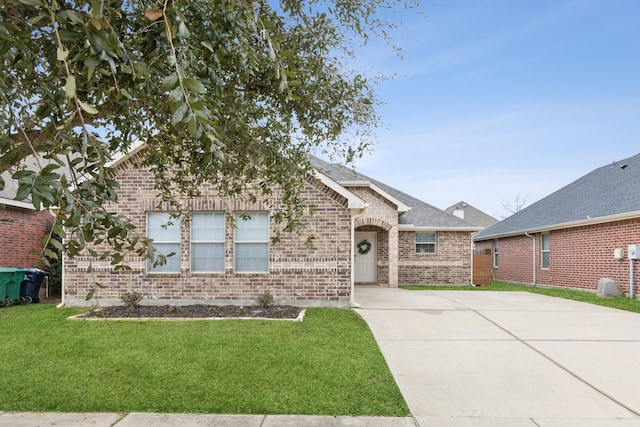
352	300
570	224
411	227
533	265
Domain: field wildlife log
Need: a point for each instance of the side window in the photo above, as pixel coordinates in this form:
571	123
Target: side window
544	251
165	232
495	253
425	243
207	242
252	242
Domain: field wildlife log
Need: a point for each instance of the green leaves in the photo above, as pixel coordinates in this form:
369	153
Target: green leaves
194	85
233	96
170	82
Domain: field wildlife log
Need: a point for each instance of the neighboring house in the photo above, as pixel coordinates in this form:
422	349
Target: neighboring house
23	229
575	236
470	214
363	232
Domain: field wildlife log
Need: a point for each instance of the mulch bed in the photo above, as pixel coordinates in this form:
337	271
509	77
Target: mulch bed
198	311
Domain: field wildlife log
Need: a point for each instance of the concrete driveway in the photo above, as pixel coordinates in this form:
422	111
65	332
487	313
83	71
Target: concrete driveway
464	358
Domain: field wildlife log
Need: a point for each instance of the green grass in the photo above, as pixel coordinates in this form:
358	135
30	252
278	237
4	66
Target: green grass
621	303
329	364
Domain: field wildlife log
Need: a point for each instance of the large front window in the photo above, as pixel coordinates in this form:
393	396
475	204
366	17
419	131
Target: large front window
252	243
207	242
425	243
165	233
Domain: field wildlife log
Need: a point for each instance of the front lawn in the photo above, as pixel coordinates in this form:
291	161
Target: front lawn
621	303
329	364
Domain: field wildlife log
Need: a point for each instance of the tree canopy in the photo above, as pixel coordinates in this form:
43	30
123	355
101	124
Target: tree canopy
228	92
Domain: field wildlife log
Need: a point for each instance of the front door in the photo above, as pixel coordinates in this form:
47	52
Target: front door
365	257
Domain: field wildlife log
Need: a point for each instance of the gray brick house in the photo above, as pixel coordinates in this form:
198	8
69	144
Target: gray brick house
365	232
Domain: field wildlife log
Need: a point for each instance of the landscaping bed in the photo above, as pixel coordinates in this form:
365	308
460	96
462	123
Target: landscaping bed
196	311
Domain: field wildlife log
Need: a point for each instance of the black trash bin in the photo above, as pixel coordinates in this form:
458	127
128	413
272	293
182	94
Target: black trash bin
30	287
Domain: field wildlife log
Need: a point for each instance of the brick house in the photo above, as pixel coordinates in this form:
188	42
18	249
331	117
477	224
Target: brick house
572	237
22	228
387	236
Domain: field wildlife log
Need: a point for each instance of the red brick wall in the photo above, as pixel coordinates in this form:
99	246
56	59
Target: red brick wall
579	256
21	236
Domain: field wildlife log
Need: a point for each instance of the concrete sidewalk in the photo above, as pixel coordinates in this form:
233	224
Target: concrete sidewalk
466	358
51	419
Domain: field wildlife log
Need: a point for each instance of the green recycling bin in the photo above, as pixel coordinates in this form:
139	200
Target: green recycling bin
10	280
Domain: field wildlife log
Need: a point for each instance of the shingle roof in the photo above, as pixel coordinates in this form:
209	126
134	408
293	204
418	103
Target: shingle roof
613	189
421	214
472	215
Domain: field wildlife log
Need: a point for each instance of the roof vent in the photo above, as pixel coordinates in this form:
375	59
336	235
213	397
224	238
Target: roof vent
623	166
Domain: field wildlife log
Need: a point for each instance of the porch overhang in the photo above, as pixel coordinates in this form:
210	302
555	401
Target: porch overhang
402	208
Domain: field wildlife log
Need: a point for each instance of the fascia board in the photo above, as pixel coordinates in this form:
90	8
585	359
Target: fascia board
354	202
419	228
402	208
560	226
17	203
120	157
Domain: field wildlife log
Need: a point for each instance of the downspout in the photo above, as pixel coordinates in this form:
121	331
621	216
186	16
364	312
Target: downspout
533	264
352	300
631	295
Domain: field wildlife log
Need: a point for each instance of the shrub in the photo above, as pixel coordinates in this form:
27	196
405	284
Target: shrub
264	300
131	299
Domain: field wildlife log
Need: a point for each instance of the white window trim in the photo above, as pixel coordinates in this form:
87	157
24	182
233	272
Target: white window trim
434	243
495	253
543	251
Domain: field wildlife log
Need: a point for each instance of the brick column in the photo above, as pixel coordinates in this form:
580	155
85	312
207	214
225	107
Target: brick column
393	257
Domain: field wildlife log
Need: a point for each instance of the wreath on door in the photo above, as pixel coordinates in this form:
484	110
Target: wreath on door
364	247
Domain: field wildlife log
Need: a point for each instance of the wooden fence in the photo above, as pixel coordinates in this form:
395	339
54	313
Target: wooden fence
482	268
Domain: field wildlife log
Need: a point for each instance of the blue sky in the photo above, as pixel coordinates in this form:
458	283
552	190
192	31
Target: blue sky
499	99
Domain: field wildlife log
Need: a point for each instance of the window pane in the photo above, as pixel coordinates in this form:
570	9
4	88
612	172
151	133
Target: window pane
253	229
207	256
207	227
545	242
252	257
159	230
425	237
545	260
423	248
173	262
426	243
166	239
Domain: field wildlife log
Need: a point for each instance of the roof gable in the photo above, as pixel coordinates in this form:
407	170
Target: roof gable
471	214
413	213
608	191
